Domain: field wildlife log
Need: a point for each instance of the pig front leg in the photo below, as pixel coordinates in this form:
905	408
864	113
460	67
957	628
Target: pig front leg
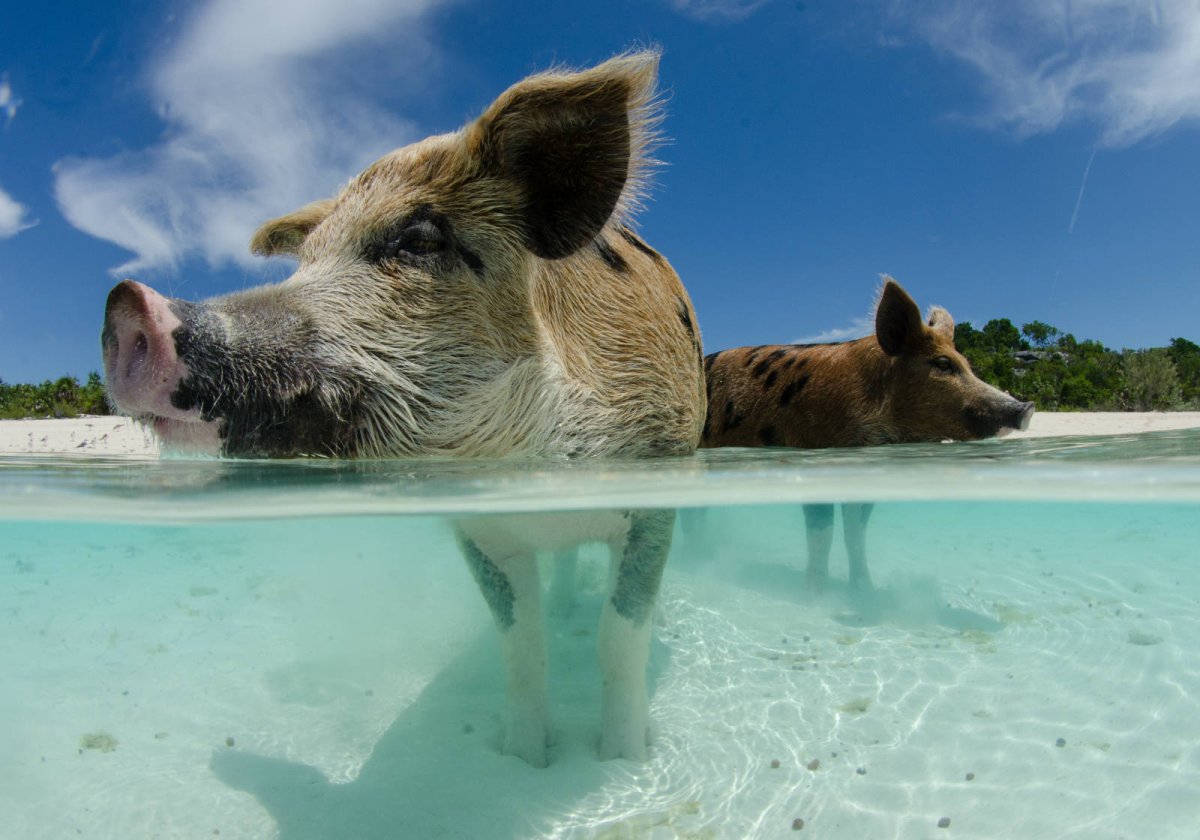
625	628
854	526
818	528
562	585
512	590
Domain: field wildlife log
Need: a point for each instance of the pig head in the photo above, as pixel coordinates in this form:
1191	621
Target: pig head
478	293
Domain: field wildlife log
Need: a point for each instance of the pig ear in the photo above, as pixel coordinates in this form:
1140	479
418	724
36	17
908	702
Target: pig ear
286	234
897	319
940	321
573	145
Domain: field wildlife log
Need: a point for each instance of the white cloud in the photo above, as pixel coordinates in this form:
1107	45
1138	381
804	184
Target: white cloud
711	9
8	100
13	216
857	329
1129	66
267	105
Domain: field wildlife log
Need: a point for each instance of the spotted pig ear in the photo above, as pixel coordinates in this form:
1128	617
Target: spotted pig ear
286	234
573	145
897	320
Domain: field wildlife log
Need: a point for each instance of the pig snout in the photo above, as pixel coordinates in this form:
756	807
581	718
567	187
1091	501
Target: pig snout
1011	415
141	366
997	416
1022	414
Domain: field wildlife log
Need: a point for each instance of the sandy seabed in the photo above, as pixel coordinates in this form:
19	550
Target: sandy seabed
1024	671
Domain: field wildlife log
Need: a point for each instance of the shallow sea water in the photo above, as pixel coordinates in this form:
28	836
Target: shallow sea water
296	650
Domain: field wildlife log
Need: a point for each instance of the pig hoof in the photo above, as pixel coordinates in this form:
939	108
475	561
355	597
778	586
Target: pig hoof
630	742
533	748
529	741
634	749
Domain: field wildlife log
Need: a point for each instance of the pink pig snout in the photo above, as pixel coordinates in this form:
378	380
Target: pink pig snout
141	366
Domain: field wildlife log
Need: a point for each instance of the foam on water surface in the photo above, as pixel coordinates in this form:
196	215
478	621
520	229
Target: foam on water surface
252	648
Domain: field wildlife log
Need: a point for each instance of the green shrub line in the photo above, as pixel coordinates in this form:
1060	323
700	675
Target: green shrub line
63	397
1059	373
1036	362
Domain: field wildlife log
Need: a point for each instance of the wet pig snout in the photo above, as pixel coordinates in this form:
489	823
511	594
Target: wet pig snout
141	366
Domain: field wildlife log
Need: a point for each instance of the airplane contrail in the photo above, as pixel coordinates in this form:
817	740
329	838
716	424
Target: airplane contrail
1082	186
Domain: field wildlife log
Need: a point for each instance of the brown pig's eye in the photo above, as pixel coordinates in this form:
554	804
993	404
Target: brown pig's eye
420	239
422	246
943	364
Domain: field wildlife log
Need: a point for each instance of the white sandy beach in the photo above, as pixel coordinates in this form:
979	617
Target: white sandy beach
121	436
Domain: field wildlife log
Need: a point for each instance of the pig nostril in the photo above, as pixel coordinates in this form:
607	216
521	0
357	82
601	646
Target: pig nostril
137	356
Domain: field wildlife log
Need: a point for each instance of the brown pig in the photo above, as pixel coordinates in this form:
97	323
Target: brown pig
476	294
904	384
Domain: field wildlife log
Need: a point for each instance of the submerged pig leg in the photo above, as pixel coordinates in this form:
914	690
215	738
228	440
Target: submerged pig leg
818	527
854	527
512	590
625	628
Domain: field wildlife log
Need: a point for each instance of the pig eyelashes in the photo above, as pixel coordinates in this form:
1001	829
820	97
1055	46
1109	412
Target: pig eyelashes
420	237
424	235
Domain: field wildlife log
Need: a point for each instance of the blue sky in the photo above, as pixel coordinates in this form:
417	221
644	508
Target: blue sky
1025	159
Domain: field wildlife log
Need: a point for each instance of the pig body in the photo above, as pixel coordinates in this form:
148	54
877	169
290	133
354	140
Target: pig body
904	384
476	294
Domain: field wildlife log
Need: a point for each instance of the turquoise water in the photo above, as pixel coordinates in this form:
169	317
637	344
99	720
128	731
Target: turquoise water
296	650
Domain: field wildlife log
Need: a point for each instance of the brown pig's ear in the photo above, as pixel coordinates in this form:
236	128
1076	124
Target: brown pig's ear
940	321
572	146
286	234
897	320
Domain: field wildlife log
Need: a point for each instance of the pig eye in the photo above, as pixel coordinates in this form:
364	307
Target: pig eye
943	364
421	238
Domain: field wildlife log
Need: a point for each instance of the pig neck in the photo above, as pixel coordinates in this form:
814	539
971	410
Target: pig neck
866	373
593	356
891	396
619	348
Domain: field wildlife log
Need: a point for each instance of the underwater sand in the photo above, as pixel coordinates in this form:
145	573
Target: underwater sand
235	670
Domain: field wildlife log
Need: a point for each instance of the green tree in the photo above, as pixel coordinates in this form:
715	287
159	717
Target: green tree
92	399
1041	334
1079	392
1186	356
1000	334
62	397
1043	384
966	337
1151	381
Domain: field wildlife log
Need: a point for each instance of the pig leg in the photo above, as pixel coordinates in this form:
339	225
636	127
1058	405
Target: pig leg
624	637
562	585
512	590
818	526
854	525
693	526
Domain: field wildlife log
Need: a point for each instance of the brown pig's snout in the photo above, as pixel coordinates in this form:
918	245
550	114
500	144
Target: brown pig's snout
141	366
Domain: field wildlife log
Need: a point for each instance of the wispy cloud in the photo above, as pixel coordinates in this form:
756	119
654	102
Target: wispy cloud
857	329
716	9
9	103
14	218
267	105
1128	66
